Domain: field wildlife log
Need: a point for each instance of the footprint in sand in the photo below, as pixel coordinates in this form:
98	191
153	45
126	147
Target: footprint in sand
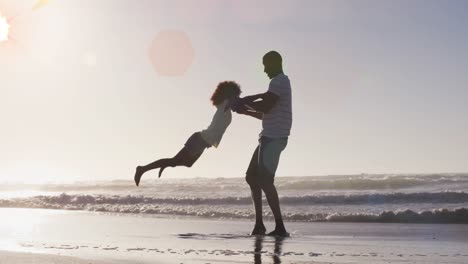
135	249
27	245
110	248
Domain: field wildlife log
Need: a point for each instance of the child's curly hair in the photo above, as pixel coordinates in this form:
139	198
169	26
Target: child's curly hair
225	90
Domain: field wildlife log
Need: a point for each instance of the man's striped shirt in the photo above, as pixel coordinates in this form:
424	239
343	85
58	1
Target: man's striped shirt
277	123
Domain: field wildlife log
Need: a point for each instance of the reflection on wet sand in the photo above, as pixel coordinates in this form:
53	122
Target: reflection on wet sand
258	246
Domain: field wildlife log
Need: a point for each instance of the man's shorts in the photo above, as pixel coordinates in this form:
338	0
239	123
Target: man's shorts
265	159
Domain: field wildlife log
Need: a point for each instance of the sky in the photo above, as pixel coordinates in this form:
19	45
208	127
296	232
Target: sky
378	86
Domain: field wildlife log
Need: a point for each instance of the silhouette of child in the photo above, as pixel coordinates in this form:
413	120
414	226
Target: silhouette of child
224	98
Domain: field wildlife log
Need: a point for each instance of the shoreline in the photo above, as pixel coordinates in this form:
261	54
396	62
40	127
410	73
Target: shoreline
436	216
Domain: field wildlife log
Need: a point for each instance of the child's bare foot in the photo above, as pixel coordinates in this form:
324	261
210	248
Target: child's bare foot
278	233
161	171
138	173
259	229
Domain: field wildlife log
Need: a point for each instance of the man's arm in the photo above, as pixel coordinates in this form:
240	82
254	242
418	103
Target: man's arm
264	105
257	115
252	98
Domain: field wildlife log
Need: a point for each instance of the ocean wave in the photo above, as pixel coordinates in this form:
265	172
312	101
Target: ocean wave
64	200
380	198
459	215
356	199
370	183
457	182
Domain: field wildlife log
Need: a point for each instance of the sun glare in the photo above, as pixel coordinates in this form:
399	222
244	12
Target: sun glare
4	28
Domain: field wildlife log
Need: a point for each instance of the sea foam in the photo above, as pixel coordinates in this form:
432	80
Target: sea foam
438	198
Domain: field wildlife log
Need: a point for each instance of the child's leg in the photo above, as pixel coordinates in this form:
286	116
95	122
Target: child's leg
183	158
170	162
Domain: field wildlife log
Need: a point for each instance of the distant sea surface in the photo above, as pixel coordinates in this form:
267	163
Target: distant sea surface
423	198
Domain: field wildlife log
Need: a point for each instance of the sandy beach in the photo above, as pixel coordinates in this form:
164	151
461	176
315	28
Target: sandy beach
34	258
58	236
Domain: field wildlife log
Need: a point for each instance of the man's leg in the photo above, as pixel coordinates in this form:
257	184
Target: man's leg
273	200
259	228
269	155
256	192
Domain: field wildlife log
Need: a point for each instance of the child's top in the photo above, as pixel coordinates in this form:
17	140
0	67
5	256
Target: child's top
221	120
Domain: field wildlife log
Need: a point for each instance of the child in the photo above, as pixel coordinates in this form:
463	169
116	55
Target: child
223	97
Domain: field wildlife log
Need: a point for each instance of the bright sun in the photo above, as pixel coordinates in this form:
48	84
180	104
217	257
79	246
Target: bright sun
4	28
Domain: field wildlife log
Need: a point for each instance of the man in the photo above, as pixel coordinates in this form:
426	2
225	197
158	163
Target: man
275	111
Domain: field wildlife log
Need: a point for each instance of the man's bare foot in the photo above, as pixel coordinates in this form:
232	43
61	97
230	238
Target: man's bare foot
161	171
138	173
278	233
258	230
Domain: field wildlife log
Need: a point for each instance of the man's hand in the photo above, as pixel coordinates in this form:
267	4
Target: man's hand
251	98
238	106
257	115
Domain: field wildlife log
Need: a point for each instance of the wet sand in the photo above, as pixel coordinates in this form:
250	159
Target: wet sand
90	237
34	258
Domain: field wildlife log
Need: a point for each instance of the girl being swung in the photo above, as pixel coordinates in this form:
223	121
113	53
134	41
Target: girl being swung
224	98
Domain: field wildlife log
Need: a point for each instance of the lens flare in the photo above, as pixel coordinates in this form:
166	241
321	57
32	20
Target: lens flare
171	53
4	28
40	4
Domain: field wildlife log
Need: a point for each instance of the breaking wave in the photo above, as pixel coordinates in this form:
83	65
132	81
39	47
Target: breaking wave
377	198
457	216
435	182
372	182
354	198
239	207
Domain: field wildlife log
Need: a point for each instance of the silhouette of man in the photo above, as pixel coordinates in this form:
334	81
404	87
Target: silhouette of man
274	109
